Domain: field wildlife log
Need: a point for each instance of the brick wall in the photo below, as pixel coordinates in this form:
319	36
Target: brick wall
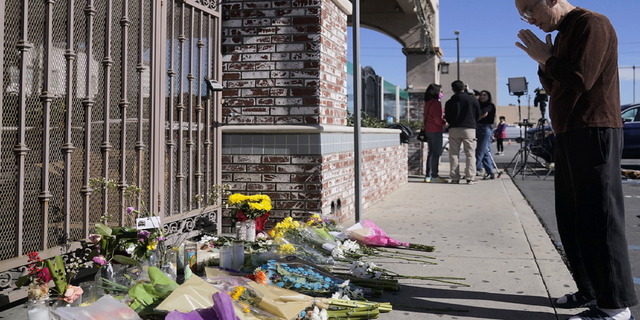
384	170
284	62
301	185
292	182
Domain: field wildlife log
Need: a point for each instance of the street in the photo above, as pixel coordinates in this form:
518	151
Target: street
539	192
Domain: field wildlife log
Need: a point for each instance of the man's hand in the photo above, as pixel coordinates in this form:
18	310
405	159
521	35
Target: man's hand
534	47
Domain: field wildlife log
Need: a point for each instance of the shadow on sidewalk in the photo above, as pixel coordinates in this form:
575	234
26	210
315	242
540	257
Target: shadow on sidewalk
417	299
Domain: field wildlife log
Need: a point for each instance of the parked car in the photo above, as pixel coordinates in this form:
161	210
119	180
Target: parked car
631	119
541	142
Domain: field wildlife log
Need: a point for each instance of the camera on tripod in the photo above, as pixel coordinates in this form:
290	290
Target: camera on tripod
541	100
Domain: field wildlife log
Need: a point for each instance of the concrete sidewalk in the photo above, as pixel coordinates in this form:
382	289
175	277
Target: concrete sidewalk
486	233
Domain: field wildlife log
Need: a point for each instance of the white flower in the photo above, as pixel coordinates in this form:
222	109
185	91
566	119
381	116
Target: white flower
336	295
131	248
377	274
324	315
337	252
345	284
350	246
318	315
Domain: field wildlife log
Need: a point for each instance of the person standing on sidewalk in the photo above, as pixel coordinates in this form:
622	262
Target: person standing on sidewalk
462	112
580	73
500	134
434	126
483	134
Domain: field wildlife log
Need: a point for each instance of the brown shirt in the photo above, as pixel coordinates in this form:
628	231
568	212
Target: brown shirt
582	75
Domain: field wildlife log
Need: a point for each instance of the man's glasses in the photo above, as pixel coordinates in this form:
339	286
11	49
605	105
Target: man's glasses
527	14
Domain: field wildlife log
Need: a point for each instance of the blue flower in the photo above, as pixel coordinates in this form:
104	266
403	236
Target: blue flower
326	286
280	284
297	285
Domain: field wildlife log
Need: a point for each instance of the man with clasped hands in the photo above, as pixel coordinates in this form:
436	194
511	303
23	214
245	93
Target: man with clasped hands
579	70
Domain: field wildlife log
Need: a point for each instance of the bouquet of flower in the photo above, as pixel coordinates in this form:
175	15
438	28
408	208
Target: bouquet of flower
306	279
294	232
254	207
38	277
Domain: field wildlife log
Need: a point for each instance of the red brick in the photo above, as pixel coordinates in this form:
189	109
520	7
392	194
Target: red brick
276	178
261	168
289	205
261	186
278	195
233	168
298	168
289	186
227	159
275	159
306	195
312	205
305	178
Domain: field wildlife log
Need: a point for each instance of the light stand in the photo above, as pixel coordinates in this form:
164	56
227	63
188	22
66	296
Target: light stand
518	87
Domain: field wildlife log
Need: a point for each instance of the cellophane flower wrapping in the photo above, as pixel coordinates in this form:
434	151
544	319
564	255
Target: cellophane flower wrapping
286	304
303	277
244	297
106	308
282	247
291	237
369	233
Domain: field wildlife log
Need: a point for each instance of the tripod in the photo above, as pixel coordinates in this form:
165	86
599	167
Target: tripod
522	156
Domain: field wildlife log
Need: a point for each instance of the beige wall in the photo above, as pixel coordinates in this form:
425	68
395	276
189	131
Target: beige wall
479	74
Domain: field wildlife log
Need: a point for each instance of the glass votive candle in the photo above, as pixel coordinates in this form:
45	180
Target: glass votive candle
226	257
89	292
238	255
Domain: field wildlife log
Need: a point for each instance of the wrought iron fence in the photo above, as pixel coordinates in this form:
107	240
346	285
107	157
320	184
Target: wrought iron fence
104	90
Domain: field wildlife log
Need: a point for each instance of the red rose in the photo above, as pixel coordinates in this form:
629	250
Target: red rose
44	275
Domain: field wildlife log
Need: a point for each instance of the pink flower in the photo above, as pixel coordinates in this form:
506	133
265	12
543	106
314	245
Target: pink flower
95	238
131	209
72	293
44	275
100	260
143	234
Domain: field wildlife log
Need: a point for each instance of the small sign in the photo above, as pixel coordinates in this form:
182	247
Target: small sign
148	223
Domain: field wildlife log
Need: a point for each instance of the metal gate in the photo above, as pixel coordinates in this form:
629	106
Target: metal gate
102	91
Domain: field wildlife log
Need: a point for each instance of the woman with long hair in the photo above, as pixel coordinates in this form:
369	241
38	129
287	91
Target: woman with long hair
483	134
433	126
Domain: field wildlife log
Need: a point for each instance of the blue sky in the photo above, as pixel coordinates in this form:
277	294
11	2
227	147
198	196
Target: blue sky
489	29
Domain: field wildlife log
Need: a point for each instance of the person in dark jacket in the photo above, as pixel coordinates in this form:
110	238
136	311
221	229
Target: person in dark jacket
434	126
483	134
579	71
462	112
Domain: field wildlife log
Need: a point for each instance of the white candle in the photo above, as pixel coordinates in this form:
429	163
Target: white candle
38	314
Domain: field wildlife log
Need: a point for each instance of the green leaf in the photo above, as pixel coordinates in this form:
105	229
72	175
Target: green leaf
125	260
22	281
103	230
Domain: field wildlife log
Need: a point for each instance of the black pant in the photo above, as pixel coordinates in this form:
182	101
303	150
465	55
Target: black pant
499	145
590	214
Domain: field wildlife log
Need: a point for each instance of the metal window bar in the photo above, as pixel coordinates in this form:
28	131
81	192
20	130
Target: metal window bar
199	173
180	177
106	145
190	143
140	146
124	102
54	204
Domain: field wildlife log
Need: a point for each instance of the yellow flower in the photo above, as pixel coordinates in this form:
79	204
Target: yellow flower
286	249
236	198
152	245
237	292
